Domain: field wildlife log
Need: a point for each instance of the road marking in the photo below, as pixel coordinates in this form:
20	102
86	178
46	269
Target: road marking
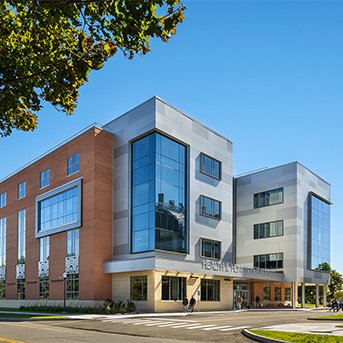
166	325
9	340
144	322
218	327
156	323
236	328
183	326
199	327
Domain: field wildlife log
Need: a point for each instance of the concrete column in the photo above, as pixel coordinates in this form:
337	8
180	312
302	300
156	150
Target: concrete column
317	295
324	295
303	294
293	295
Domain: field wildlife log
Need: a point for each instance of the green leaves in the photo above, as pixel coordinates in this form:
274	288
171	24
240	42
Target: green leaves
48	48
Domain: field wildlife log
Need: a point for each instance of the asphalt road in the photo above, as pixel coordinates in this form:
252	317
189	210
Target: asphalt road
214	327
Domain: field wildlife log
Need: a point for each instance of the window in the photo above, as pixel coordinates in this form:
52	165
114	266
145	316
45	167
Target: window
73	164
59	210
73	237
265	230
277	293
139	287
319	233
210	166
210	248
21	236
268	198
210	290
72	286
210	207
2	289
173	288
44	248
158	185
44	288
266	293
22	190
3	199
44	179
287	294
20	289
269	261
2	242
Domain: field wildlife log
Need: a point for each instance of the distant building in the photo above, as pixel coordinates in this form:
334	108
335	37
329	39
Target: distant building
146	208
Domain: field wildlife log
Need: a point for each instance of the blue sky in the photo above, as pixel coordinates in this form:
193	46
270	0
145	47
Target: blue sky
268	75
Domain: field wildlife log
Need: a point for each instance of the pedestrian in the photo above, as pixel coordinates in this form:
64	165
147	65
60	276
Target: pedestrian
191	304
239	302
258	301
185	304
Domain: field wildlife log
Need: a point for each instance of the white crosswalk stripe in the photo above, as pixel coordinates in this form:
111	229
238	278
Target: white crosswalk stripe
156	323
217	328
144	322
236	328
167	325
173	324
199	326
182	326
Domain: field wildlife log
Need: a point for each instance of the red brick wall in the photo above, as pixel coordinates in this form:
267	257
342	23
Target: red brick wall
96	168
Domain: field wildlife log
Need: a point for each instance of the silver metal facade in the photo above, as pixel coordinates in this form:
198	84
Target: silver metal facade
155	114
297	182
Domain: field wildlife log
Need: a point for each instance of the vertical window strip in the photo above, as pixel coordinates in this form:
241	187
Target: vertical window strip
44	248
3	242
3	199
73	242
21	236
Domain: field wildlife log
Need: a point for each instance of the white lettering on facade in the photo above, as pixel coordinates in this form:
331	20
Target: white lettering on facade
231	268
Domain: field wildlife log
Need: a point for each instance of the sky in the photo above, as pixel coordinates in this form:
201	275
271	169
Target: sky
266	74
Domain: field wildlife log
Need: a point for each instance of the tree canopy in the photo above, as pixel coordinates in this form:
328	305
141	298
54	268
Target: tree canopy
48	48
336	282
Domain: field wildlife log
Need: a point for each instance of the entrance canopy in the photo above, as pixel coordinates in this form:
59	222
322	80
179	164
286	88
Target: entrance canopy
203	267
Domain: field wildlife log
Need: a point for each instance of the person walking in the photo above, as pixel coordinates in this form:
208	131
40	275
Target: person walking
258	301
192	304
239	302
185	304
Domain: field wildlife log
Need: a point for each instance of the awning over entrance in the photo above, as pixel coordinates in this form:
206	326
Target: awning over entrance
203	267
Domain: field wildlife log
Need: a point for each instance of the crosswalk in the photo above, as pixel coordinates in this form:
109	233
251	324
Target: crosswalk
173	324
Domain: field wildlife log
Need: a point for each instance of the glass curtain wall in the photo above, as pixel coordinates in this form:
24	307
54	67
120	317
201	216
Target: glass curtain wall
158	195
320	234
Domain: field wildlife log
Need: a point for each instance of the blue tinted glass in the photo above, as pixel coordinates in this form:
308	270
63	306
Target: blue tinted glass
61	209
320	233
158	194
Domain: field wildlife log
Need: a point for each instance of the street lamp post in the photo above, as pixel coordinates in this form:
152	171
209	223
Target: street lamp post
64	292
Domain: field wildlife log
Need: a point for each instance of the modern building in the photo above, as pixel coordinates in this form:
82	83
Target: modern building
146	208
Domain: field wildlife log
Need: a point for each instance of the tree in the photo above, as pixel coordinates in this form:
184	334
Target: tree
48	48
335	283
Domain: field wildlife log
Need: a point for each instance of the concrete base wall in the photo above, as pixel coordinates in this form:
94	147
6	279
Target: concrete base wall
121	291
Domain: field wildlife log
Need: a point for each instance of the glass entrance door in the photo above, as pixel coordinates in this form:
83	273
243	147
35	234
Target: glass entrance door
241	295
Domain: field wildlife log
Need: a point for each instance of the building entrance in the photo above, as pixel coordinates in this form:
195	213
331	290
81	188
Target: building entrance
241	295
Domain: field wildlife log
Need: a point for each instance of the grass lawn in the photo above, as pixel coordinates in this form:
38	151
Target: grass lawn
298	337
331	317
28	316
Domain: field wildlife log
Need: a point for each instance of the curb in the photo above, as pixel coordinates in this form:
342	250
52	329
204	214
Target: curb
325	319
259	338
